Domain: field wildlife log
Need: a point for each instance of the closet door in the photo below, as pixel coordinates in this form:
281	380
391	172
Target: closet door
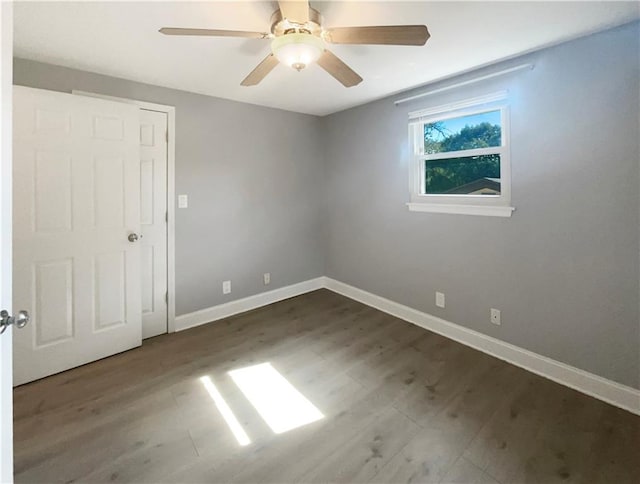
76	263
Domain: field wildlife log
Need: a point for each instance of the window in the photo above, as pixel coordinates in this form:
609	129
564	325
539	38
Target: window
461	158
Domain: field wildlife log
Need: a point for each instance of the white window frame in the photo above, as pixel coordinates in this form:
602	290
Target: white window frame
491	205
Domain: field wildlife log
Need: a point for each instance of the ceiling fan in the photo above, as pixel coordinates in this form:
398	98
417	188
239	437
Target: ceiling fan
298	39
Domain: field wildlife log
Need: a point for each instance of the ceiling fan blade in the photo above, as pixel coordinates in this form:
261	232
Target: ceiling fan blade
390	35
213	33
261	71
338	69
296	11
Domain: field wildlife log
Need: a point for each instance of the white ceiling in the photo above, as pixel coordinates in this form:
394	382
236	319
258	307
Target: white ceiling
121	39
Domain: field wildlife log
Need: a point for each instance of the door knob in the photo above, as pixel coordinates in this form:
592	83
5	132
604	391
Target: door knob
132	237
6	320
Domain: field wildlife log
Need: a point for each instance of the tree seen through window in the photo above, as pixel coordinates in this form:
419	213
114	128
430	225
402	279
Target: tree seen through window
478	174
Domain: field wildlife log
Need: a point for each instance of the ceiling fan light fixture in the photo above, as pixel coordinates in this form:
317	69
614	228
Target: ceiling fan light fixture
298	49
298	39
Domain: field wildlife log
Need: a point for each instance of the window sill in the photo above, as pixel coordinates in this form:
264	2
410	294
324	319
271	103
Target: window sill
486	210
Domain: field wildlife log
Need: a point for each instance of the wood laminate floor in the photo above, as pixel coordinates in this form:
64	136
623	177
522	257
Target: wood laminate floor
400	404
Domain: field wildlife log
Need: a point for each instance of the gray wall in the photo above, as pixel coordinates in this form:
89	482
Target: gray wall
564	268
254	178
301	196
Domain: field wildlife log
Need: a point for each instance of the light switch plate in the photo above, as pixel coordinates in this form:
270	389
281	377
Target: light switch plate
495	316
183	201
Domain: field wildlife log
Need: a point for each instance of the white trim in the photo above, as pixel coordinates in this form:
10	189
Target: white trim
163	108
6	200
448	155
487	210
238	306
171	184
465	83
601	388
476	102
171	220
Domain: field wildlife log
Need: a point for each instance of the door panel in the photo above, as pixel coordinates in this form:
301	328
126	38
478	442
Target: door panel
146	192
108	191
54	301
147	266
110	290
76	199
153	209
52	211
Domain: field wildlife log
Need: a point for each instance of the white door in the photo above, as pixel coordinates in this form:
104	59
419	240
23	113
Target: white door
76	183
153	221
6	397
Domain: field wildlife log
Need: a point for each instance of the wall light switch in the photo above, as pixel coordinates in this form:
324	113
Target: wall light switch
183	201
440	299
226	287
267	278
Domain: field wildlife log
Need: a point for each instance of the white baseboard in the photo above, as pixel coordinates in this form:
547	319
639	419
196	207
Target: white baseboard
225	310
606	390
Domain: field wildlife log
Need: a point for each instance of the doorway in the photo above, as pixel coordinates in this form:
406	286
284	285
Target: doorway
157	169
101	277
153	222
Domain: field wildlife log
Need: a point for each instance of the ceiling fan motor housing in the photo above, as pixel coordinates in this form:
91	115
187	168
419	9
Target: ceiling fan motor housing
280	25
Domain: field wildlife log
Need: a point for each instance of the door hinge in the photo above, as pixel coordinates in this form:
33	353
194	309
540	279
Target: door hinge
166	297
166	135
166	216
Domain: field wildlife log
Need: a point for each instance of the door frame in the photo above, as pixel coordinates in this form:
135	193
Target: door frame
6	241
171	188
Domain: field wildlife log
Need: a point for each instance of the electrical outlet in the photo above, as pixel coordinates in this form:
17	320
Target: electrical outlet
495	316
226	287
183	201
440	299
267	278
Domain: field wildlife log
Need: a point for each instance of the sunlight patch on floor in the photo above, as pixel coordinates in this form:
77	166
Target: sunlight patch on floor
226	412
277	401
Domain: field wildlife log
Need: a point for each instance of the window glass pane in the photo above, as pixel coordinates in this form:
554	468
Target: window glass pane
469	175
481	130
